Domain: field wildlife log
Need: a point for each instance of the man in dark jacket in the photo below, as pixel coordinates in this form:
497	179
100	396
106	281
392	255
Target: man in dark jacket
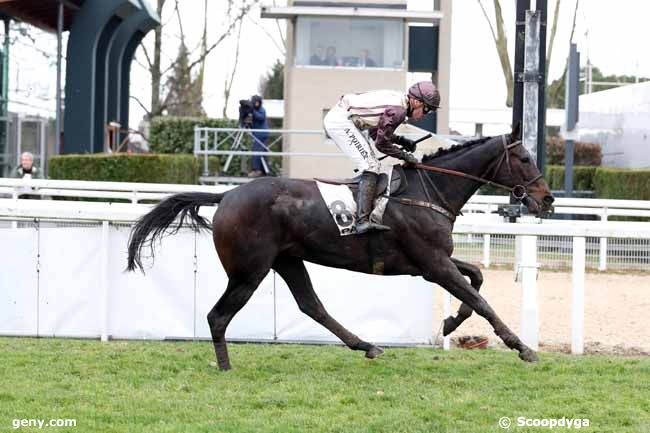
260	166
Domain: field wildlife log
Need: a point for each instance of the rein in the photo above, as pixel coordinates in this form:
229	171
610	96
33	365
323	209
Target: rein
519	192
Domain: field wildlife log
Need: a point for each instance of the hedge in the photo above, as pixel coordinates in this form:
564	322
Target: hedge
622	184
583	177
176	135
588	154
169	134
149	168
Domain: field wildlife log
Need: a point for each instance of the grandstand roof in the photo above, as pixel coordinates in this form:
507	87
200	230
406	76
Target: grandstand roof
41	13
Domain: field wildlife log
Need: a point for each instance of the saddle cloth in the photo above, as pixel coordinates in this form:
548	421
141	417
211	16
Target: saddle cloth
339	197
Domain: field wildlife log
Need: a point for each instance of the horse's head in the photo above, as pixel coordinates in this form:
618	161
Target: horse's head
517	170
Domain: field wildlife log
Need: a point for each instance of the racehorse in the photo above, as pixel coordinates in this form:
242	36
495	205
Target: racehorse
279	223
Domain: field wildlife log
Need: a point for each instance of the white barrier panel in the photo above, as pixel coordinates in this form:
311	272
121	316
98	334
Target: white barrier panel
376	308
18	282
173	298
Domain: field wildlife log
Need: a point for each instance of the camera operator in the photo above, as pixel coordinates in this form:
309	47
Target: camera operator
258	121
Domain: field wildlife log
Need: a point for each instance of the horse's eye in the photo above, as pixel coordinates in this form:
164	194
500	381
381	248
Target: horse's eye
525	160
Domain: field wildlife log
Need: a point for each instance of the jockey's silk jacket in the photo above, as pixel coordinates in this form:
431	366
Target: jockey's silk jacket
380	112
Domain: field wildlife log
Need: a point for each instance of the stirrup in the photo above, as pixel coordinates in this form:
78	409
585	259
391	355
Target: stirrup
366	226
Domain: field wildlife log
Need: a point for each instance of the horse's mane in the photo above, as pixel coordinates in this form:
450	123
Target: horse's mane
455	148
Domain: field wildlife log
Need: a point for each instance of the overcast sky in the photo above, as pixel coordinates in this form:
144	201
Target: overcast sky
613	34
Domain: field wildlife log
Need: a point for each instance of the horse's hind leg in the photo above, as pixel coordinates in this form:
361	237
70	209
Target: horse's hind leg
476	279
237	294
293	272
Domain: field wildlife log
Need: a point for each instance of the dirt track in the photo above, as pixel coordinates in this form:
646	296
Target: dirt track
617	310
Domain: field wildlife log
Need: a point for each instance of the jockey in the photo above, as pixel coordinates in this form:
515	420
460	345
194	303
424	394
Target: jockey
379	112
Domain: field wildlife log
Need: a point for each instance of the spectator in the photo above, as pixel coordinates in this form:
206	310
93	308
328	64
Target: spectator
26	169
365	61
318	58
260	166
330	57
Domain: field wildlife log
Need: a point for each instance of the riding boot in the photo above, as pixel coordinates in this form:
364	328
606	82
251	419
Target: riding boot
365	198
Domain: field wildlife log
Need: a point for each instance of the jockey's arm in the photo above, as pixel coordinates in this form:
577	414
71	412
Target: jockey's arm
384	136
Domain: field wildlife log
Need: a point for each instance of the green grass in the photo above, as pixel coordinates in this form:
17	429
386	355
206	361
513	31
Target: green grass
173	387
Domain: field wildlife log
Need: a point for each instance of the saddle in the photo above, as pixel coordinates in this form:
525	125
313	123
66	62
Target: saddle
397	185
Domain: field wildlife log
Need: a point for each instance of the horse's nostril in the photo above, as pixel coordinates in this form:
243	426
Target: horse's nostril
548	200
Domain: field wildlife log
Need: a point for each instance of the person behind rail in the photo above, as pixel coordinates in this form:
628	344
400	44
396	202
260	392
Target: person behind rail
379	112
260	166
26	169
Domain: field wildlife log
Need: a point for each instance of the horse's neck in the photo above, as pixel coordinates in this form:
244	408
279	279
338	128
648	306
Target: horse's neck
457	190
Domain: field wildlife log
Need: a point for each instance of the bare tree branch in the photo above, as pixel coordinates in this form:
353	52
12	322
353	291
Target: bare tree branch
141	105
180	21
488	21
146	55
242	13
556	14
573	28
283	49
501	45
228	84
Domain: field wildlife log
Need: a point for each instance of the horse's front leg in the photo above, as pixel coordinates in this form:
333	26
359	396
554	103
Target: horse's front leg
464	311
444	272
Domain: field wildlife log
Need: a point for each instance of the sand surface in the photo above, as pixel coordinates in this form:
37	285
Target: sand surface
617	310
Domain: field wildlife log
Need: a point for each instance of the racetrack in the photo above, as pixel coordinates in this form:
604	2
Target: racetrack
173	387
616	310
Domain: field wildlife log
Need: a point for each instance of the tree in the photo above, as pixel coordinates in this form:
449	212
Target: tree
272	83
235	13
184	95
501	44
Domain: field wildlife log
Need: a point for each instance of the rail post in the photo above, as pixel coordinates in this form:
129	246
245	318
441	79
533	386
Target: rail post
578	296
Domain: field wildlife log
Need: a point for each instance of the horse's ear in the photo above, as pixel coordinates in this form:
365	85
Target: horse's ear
516	132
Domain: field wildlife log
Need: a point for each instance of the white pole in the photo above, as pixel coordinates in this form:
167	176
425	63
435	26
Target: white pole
529	298
486	250
446	312
578	297
103	281
602	256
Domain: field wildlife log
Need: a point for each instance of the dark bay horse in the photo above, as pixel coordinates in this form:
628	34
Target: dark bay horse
276	223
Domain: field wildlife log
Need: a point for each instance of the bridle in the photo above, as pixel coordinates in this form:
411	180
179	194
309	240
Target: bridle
518	192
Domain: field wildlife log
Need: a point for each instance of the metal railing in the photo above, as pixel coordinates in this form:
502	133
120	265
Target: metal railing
231	142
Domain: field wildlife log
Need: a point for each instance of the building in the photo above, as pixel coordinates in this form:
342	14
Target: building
619	120
102	39
337	47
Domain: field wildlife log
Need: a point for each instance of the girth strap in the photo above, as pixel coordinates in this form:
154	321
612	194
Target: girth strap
420	203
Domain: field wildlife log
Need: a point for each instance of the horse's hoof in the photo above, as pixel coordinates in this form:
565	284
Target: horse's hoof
374	352
528	355
224	366
449	326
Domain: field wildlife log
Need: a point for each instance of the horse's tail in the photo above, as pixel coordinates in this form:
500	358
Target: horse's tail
154	225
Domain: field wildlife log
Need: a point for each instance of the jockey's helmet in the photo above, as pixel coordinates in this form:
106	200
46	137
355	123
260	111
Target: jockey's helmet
426	92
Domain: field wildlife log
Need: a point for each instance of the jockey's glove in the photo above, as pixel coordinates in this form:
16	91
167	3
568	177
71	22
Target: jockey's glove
408	145
409	158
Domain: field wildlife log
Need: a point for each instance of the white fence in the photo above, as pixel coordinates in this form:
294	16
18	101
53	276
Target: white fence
618	254
84	292
61	274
